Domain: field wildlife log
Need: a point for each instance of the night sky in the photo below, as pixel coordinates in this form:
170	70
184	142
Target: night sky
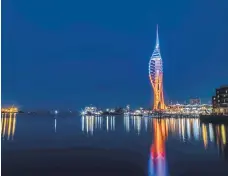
69	54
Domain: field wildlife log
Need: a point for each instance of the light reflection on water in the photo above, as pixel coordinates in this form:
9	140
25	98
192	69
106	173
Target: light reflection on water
89	124
157	159
8	126
183	130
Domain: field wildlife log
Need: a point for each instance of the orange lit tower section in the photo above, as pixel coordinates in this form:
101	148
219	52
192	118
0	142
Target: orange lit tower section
156	76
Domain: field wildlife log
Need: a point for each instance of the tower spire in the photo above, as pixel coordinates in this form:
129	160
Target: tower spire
157	38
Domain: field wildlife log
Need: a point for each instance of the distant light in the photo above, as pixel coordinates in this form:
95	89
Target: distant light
56	112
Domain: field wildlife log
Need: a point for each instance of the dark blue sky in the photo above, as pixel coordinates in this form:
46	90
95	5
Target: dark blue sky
72	53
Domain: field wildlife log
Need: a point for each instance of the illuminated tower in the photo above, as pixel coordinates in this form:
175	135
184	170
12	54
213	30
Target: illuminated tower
156	76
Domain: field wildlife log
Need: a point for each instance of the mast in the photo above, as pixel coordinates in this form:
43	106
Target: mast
157	38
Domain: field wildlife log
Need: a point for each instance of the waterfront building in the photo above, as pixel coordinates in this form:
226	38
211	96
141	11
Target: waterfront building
194	109
9	110
156	76
220	100
195	101
90	110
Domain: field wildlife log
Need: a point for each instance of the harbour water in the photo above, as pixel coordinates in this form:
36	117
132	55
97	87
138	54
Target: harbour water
157	147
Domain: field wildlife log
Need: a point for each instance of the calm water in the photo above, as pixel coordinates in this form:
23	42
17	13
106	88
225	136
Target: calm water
166	147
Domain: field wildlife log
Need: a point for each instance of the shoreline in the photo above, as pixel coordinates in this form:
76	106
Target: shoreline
215	119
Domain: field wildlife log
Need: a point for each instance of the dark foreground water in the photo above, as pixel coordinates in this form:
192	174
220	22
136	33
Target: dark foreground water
44	145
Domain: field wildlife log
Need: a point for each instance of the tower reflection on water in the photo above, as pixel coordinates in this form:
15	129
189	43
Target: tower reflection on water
185	130
8	125
157	159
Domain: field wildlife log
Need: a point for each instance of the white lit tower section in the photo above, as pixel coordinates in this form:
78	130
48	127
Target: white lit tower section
156	76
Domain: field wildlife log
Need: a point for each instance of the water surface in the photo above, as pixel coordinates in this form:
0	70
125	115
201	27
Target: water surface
158	147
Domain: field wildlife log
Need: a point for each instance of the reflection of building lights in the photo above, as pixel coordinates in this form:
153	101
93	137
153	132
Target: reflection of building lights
223	133
113	123
127	123
8	126
107	123
188	129
110	123
211	133
146	123
137	124
89	124
196	129
4	125
100	121
55	125
82	120
179	123
183	129
204	133
218	134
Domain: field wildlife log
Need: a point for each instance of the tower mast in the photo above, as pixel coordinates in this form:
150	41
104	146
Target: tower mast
157	38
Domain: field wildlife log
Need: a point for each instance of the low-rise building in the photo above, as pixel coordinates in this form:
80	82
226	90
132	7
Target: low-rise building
195	101
9	110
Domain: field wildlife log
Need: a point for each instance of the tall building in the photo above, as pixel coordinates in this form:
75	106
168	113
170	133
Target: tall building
156	76
220	100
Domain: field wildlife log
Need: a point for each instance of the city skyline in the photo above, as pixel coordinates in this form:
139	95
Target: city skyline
76	58
114	87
